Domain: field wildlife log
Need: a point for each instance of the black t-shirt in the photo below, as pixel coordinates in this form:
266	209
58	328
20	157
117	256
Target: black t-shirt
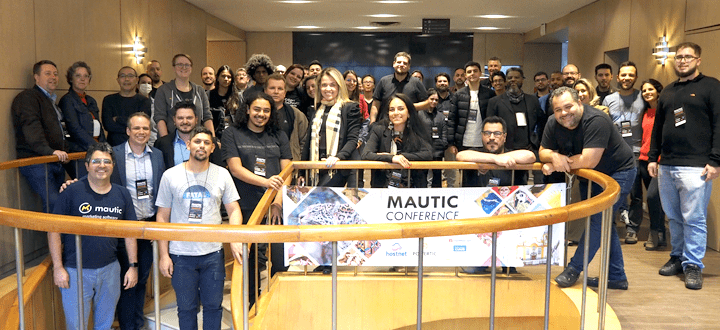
596	130
389	86
294	97
252	149
187	96
521	138
286	119
216	100
81	201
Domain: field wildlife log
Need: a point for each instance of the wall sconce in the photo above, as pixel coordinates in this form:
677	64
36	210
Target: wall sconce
661	51
138	50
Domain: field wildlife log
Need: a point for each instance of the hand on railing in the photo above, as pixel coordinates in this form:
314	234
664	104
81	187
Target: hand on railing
61	277
330	161
401	160
505	160
274	182
61	155
276	214
237	251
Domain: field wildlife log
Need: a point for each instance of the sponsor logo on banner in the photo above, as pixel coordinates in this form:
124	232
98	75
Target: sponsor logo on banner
459	248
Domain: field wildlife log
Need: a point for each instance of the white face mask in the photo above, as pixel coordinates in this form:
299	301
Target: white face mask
145	89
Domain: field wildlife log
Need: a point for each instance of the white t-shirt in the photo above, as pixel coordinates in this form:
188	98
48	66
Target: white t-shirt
205	191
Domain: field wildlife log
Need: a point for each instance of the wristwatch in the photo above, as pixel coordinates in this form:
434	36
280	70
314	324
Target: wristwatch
134	264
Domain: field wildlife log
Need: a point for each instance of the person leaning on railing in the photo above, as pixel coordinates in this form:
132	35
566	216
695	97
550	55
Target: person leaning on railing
399	139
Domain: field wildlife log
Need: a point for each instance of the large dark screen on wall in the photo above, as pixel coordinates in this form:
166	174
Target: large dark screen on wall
372	53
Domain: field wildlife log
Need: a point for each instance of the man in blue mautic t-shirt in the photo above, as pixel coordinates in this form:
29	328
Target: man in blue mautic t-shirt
93	197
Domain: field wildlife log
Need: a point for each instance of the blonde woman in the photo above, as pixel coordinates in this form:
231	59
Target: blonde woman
586	93
333	130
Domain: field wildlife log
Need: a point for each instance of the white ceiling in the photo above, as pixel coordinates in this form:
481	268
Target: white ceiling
347	15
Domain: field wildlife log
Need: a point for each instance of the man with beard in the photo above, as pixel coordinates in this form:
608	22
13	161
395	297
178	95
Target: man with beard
493	151
556	80
174	145
442	81
626	108
603	76
687	136
522	114
570	75
459	79
208	78
398	82
493	65
581	136
155	72
542	85
192	193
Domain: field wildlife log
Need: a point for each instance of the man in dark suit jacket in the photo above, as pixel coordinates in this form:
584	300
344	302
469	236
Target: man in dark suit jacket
139	168
520	111
174	145
39	131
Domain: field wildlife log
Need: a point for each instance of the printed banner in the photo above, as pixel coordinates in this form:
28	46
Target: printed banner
335	206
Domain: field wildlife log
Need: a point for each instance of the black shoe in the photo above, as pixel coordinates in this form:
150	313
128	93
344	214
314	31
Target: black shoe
324	269
693	277
662	239
616	285
672	267
512	270
652	241
572	243
567	278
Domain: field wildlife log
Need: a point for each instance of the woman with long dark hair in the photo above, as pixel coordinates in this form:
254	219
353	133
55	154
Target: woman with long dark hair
333	130
650	90
219	97
294	94
400	139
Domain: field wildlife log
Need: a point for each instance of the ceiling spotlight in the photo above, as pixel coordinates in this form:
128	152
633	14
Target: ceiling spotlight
296	1
307	27
395	1
494	16
383	15
487	28
367	27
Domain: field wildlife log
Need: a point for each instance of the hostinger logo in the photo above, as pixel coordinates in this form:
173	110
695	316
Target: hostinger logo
85	208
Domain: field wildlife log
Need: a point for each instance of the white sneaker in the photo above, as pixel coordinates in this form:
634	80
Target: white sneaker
625	217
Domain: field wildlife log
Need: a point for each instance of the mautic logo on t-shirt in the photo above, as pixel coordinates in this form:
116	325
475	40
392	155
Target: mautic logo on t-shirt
85	208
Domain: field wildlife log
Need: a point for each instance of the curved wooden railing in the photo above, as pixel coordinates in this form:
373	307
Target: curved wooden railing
254	233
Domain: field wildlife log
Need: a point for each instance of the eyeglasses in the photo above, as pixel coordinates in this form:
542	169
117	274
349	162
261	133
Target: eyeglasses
127	76
183	65
98	161
495	133
685	58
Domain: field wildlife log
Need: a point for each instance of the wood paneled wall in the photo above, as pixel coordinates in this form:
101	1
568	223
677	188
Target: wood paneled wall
99	32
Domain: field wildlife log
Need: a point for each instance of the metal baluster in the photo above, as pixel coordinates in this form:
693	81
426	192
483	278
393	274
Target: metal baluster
334	285
512	179
493	277
408	185
605	260
78	261
20	272
47	190
156	283
586	260
548	275
246	287
257	277
421	253
357	178
459	178
602	278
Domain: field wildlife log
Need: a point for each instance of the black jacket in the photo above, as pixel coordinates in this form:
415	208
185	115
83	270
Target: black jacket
437	126
349	132
379	142
37	128
459	110
500	106
79	120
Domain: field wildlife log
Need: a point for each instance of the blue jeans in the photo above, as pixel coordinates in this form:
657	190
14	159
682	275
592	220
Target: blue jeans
617	266
131	303
685	196
35	175
101	288
199	279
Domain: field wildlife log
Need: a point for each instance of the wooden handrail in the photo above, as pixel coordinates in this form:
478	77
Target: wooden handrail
38	160
31	284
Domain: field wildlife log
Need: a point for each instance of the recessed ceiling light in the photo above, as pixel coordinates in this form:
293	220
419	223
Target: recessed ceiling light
487	28
494	16
297	1
367	27
383	15
395	1
307	27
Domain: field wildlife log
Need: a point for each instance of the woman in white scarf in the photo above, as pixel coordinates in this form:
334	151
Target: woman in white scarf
334	129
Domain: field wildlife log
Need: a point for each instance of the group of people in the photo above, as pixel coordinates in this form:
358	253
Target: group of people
225	143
